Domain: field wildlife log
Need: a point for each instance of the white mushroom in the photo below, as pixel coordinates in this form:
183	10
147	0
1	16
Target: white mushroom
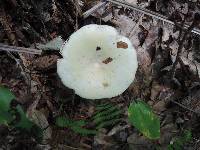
97	62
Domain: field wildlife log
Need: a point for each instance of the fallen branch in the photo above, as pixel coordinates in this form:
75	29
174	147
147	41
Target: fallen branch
138	9
8	48
93	9
184	107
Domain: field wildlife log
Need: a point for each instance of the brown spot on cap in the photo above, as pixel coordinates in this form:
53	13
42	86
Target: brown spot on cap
107	60
122	44
105	84
98	48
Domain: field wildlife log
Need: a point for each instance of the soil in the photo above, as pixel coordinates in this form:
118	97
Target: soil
173	91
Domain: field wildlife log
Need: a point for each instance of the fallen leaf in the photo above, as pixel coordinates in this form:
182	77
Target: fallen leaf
122	44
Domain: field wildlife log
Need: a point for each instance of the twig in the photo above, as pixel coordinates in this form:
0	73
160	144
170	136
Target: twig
78	8
184	107
8	48
78	12
138	9
69	147
93	9
149	13
23	72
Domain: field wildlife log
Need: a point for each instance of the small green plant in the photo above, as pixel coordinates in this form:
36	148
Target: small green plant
179	142
15	117
5	99
141	116
106	115
76	126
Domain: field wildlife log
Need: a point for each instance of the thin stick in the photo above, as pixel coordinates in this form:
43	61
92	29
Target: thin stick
8	48
23	72
93	9
184	107
136	8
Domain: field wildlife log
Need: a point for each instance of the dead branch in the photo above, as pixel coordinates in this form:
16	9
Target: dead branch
93	9
8	48
184	107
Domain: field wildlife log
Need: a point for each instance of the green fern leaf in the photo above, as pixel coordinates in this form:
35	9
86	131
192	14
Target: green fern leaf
108	123
83	131
106	115
113	115
76	126
106	112
179	142
103	107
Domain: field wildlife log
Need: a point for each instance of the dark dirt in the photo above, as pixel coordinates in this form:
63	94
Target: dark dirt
34	80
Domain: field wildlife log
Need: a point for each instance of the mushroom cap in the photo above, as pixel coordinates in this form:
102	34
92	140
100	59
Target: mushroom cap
97	62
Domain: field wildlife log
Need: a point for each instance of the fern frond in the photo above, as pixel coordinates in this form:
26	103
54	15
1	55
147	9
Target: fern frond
65	122
83	131
181	141
76	126
108	123
103	107
106	115
106	112
113	115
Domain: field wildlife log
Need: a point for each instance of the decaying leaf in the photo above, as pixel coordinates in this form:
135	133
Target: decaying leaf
45	62
39	119
122	44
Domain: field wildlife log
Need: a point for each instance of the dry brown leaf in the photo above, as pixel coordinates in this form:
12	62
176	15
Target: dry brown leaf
45	62
160	106
122	44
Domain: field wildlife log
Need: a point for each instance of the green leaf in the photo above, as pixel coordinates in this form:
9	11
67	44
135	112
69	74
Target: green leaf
5	98
179	142
105	112
170	147
5	117
76	126
142	117
37	132
110	116
108	123
187	136
83	131
24	122
103	106
64	122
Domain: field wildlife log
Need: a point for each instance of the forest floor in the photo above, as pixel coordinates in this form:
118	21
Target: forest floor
168	77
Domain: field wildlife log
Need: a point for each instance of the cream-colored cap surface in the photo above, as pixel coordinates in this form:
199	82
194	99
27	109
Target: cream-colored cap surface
97	62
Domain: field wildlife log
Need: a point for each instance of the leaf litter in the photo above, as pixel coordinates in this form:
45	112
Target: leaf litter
157	44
